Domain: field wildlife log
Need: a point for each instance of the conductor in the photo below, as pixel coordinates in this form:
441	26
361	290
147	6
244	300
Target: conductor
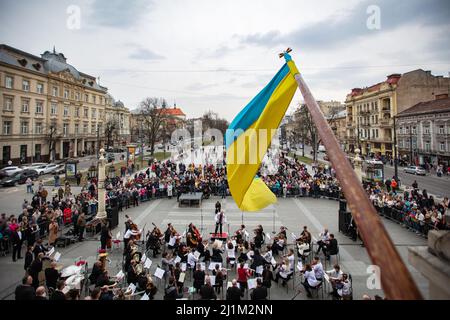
220	219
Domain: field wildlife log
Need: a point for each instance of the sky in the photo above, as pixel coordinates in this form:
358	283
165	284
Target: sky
217	55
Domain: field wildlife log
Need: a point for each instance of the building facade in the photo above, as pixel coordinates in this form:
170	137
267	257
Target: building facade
49	109
118	119
370	111
423	132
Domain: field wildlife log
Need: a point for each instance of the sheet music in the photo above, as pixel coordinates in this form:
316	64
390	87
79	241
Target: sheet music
159	273
299	266
143	258
145	297
132	288
218	243
181	278
259	269
148	264
293	236
57	256
212	265
202	266
268	236
51	251
273	261
231	254
212	279
172	241
251	284
177	259
184	234
118	235
196	254
183	266
120	275
234	243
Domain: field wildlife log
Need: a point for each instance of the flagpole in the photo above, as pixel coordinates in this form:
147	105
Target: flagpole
396	280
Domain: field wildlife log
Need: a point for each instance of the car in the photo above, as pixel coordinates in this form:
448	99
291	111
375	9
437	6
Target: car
19	177
417	170
321	148
45	169
34	165
110	157
9	171
61	168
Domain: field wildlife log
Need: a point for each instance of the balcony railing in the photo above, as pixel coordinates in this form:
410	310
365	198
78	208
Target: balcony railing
386	123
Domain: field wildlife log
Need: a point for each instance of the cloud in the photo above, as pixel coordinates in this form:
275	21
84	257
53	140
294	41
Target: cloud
118	13
145	54
337	30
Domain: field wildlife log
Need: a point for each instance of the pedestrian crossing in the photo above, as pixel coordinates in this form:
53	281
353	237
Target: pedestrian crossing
204	218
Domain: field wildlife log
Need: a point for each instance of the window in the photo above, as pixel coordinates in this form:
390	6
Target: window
86	112
39	107
24	127
54	108
7	125
6	154
66	111
442	146
23	153
94	113
85	128
77	127
9	82
40	88
77	96
376	133
99	128
426	130
65	129
441	129
37	152
101	100
93	129
414	130
86	98
77	112
400	144
93	98
66	94
8	103
55	91
25	105
25	85
376	119
414	144
427	146
38	128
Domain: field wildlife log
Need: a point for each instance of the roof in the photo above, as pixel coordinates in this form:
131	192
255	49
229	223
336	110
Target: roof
392	79
434	106
172	111
50	61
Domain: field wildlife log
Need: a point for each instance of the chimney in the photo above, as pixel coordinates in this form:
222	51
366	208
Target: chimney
441	96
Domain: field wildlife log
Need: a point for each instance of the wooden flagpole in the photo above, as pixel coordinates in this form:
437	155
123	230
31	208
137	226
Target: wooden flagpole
396	280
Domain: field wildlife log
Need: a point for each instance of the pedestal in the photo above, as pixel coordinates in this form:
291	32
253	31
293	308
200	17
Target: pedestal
101	212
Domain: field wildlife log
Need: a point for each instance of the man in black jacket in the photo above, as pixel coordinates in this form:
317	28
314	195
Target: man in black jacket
207	291
40	294
332	247
260	292
58	294
233	292
35	268
171	291
51	276
25	291
16	243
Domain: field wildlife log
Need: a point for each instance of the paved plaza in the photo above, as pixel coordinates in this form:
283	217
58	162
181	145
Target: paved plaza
293	213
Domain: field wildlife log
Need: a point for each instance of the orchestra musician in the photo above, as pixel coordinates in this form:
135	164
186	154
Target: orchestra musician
240	234
220	219
195	234
259	238
154	241
132	233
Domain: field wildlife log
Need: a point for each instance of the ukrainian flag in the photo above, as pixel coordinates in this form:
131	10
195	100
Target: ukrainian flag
250	134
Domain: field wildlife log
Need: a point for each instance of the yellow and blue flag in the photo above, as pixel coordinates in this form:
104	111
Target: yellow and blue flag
250	134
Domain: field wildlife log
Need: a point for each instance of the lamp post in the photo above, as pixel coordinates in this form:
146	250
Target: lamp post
101	212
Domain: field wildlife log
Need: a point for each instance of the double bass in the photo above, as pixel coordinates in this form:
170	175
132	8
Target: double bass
137	233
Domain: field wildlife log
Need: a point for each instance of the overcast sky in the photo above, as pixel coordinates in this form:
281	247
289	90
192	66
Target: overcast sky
217	55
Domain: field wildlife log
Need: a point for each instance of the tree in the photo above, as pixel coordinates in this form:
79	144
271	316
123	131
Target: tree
153	117
111	128
211	119
306	128
52	134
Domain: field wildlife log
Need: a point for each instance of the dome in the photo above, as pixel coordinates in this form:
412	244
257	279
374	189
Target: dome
119	104
56	62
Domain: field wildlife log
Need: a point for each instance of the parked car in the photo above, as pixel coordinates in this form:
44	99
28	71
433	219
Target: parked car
45	169
415	170
321	148
11	170
110	157
34	165
19	177
60	168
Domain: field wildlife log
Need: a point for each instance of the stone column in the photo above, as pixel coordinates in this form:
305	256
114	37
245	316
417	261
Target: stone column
75	148
433	262
357	162
61	148
101	212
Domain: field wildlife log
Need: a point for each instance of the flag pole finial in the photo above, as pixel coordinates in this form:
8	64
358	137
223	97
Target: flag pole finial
282	54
